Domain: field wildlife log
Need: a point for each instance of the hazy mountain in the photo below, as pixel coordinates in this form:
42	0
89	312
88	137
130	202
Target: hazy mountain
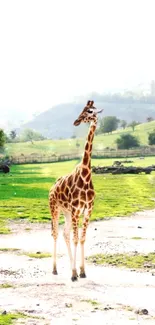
57	122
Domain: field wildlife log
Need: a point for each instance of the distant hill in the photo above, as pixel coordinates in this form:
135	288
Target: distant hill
68	146
57	122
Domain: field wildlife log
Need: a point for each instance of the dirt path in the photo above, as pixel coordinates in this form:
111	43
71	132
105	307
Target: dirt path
108	294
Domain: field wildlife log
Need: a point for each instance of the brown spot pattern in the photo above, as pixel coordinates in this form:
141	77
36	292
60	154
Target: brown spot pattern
85	158
85	171
76	193
70	180
87	146
63	197
75	203
83	195
90	194
66	191
88	177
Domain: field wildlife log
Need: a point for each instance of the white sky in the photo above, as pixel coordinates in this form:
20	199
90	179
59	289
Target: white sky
52	51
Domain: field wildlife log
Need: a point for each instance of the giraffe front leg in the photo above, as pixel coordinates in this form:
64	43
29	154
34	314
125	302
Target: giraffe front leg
82	241
75	223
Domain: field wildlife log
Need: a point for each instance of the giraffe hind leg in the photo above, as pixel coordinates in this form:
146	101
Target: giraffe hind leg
66	234
54	223
75	223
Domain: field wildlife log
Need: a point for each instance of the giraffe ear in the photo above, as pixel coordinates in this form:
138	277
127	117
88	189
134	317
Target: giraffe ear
88	103
91	103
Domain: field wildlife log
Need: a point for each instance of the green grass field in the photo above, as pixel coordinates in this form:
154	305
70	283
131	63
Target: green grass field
24	192
68	146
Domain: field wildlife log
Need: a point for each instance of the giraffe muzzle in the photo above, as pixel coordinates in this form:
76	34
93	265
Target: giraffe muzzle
77	122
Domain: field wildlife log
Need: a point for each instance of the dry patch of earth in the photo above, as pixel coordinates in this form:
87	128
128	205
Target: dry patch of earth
108	294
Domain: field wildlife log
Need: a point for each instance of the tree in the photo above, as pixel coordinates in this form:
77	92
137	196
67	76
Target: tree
30	135
13	134
2	138
149	119
123	124
77	144
108	124
133	124
127	141
151	138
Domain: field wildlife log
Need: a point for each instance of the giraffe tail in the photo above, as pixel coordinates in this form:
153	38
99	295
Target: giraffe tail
51	227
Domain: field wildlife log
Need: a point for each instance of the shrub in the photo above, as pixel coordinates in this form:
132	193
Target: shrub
127	141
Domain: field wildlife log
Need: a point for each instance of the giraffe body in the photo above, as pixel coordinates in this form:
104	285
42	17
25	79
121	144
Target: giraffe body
74	195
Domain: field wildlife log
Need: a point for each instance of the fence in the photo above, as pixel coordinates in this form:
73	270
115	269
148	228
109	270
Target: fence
22	159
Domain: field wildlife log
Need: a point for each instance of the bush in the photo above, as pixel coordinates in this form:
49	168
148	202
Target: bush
151	138
127	141
2	138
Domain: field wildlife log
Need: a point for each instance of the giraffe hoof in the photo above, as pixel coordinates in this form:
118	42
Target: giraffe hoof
83	275
55	272
74	278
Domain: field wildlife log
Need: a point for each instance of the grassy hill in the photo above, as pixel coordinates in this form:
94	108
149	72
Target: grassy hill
67	146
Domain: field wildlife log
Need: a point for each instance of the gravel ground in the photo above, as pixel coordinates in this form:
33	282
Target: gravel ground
109	294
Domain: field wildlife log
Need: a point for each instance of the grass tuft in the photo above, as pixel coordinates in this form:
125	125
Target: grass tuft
6	249
9	319
90	301
137	261
6	285
38	255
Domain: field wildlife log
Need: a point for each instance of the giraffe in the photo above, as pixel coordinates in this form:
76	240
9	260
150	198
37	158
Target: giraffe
74	196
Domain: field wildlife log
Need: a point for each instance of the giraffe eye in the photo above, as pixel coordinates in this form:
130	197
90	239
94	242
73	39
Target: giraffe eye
90	111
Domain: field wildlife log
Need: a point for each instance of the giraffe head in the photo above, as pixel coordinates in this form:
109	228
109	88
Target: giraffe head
89	114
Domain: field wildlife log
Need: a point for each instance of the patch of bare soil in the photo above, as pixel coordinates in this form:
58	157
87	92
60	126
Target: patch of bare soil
109	294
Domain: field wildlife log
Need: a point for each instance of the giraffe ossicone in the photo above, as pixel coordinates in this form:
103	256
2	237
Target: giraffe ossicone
74	195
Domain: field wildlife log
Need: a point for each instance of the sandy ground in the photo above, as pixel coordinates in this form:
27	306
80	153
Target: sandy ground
49	299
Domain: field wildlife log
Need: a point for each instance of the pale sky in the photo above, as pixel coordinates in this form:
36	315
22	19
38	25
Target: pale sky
53	51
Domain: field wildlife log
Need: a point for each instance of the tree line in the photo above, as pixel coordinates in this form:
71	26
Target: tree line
107	124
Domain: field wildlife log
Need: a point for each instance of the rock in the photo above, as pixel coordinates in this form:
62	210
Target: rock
148	265
4	312
95	229
142	311
139	227
68	305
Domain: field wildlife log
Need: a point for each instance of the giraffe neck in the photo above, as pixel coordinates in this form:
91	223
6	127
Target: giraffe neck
86	160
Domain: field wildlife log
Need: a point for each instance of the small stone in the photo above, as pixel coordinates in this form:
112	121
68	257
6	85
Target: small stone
95	229
68	305
144	311
147	265
139	227
37	304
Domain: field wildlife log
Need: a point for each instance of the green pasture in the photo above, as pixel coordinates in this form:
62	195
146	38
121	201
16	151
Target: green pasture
68	146
24	192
